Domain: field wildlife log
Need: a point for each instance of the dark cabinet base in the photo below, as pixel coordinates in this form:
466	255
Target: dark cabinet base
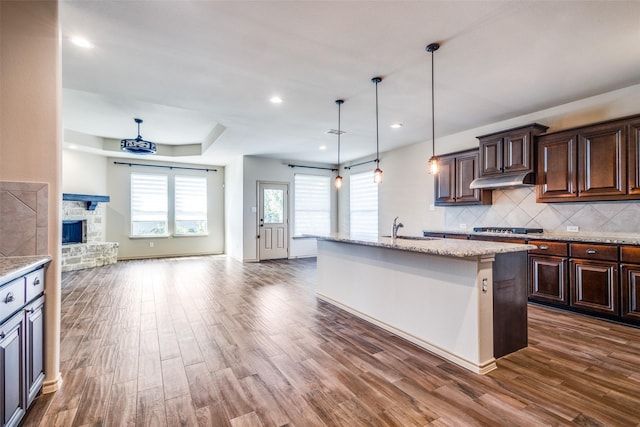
509	303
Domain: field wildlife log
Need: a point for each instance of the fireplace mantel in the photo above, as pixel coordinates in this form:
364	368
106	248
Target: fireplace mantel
92	200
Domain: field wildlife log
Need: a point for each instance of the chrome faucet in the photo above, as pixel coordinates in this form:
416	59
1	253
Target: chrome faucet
396	225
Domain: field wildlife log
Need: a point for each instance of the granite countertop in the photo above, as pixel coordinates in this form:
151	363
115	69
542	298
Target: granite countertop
613	238
434	246
16	266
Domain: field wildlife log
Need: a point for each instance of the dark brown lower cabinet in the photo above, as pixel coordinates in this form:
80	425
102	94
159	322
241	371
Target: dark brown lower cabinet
594	286
548	273
548	279
630	282
630	286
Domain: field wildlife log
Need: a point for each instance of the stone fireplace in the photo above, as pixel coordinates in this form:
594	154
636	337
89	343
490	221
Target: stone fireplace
83	245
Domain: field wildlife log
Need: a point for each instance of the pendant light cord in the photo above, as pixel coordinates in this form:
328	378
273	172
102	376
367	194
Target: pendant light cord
339	104
433	111
377	80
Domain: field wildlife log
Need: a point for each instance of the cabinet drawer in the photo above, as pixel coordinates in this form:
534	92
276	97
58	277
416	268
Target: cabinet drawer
35	284
11	298
546	247
600	252
630	254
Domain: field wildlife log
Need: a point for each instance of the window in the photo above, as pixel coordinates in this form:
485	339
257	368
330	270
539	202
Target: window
312	204
363	205
149	208
190	205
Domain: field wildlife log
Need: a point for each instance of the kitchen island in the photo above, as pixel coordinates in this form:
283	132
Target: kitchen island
465	301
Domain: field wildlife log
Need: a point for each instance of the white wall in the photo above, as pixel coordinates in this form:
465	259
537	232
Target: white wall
118	215
407	190
269	170
84	173
31	135
233	208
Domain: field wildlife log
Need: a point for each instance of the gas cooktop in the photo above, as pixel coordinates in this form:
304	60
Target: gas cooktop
508	230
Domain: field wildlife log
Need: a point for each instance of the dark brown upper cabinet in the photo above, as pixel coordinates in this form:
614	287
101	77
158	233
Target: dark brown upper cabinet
592	163
556	174
457	170
508	151
633	158
602	168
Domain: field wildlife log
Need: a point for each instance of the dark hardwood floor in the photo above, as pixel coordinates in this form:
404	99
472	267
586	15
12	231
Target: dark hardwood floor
213	342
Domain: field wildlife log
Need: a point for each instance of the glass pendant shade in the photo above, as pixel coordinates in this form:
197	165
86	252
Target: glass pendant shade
338	182
433	166
377	176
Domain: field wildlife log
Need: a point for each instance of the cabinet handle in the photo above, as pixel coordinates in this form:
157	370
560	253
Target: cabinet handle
36	282
544	247
30	311
10	298
591	251
2	335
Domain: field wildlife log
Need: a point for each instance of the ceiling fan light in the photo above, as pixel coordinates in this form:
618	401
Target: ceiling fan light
138	145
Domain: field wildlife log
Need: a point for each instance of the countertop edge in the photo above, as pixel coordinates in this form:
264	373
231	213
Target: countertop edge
442	247
550	236
20	266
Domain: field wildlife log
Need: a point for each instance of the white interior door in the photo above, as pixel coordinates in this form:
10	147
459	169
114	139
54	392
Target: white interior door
273	221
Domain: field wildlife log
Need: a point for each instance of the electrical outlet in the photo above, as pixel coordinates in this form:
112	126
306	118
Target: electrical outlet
463	226
150	244
573	228
432	207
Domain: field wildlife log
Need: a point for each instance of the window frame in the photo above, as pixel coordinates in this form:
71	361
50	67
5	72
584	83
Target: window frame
363	177
326	212
175	206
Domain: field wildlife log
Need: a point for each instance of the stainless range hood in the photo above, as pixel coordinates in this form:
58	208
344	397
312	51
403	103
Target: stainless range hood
505	180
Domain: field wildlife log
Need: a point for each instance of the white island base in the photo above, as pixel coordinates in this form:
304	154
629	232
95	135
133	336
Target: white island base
444	304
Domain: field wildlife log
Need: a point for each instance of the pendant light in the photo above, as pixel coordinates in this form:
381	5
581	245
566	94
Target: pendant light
338	180
433	161
377	174
138	145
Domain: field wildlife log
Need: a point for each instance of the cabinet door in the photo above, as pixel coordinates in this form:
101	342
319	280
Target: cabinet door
633	158
517	152
602	170
556	174
466	171
13	406
34	349
594	286
548	279
491	156
445	181
630	284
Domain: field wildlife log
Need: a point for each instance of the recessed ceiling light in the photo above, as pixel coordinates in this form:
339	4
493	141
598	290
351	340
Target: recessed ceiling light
396	125
276	100
323	147
81	42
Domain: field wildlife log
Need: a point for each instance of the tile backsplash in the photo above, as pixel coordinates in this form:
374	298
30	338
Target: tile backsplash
517	207
24	216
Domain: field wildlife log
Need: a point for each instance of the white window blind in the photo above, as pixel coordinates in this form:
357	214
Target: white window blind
312	204
363	205
190	205
149	205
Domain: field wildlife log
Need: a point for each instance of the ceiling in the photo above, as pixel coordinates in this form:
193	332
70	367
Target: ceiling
202	72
